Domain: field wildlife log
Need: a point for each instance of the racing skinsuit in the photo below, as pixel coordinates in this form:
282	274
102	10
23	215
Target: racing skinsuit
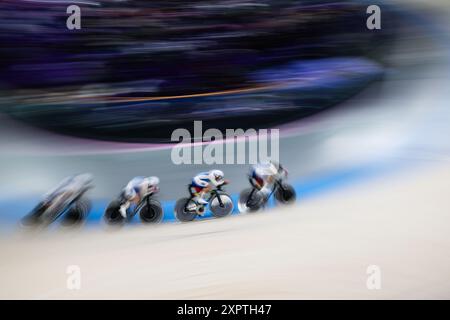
137	187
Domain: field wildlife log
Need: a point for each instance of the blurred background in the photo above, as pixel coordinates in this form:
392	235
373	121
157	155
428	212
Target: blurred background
137	70
354	106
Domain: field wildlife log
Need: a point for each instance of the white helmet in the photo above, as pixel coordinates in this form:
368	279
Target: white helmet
216	177
153	181
268	168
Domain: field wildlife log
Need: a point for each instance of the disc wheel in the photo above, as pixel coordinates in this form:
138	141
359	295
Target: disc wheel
152	212
218	210
250	205
286	195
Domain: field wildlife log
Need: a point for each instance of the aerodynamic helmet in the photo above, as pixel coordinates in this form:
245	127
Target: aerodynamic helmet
216	176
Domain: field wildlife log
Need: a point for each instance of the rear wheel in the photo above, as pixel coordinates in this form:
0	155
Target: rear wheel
181	213
32	219
152	212
286	194
112	214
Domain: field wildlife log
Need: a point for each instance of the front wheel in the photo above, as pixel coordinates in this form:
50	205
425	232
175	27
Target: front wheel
286	194
152	212
250	200
181	213
218	209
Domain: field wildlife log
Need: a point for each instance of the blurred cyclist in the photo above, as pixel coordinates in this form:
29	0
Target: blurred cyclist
136	190
204	182
69	187
263	175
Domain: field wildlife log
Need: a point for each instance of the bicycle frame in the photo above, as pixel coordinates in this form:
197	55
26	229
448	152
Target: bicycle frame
278	184
214	192
145	201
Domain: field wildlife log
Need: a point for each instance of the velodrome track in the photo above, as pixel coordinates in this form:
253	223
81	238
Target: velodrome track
318	249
